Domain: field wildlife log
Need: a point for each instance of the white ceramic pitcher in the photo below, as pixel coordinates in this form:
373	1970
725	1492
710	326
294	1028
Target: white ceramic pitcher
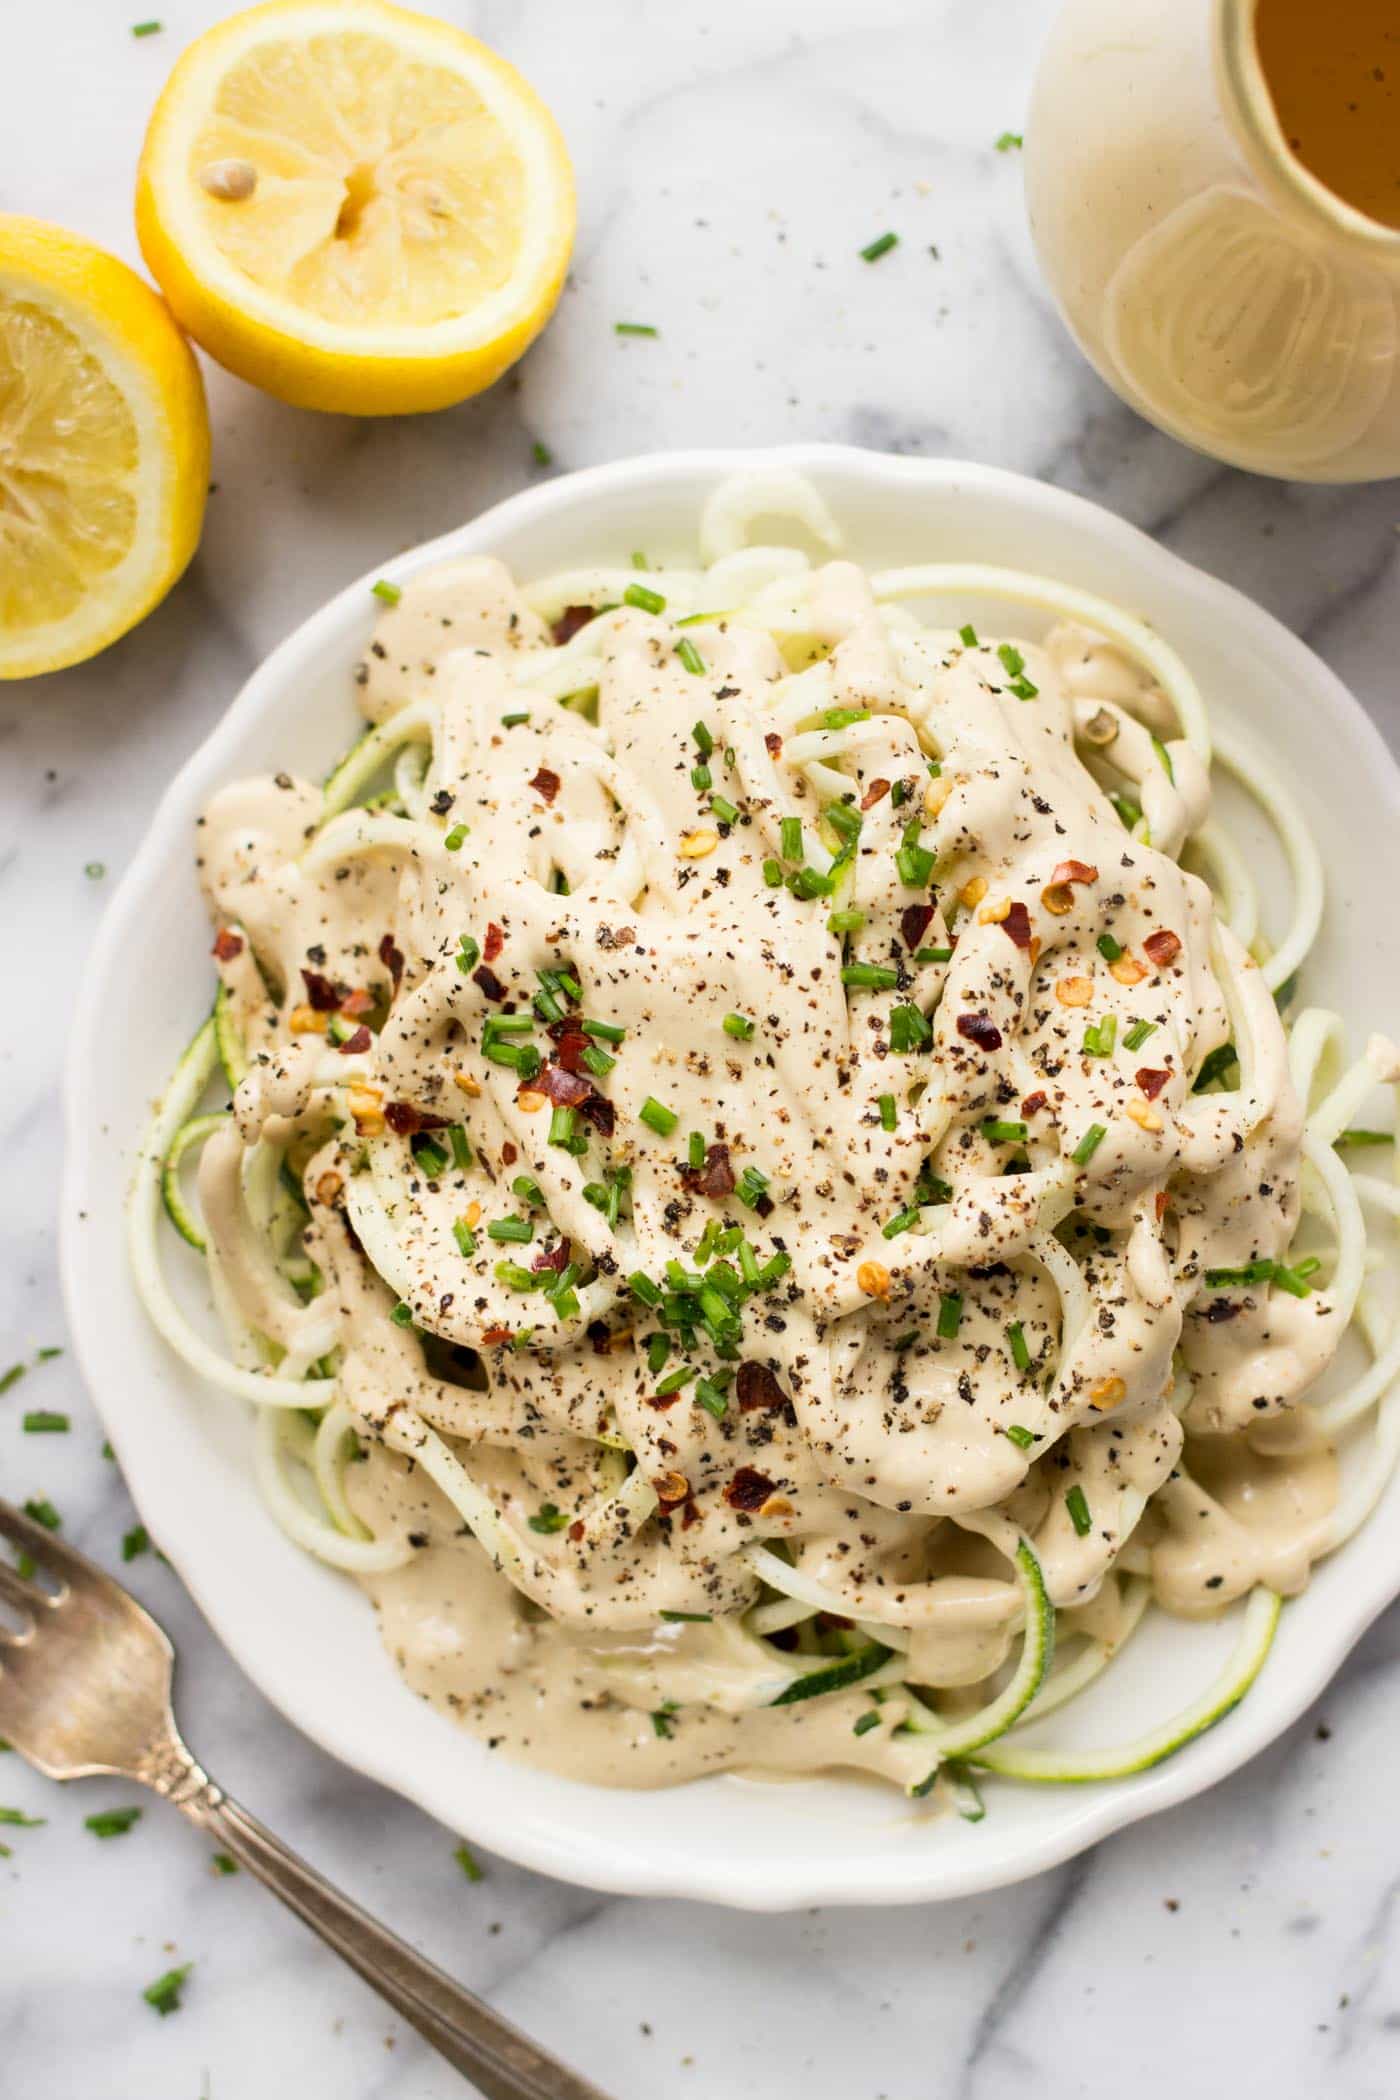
1213	281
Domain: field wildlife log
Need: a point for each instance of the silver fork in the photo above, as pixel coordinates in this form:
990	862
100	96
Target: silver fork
85	1689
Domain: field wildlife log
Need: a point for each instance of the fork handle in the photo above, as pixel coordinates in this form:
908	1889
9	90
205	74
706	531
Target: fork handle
503	2063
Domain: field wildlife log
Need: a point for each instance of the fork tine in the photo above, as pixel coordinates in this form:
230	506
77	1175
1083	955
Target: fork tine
40	1544
25	1596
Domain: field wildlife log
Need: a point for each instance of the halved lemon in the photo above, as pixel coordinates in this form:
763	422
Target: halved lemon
104	448
355	207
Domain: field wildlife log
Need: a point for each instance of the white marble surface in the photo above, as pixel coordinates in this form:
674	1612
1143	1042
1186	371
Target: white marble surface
732	159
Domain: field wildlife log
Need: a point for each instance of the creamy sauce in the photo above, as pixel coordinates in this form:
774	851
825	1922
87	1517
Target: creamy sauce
1038	1344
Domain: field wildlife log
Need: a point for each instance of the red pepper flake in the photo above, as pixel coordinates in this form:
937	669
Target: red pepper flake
599	1111
1151	1079
403	1117
1033	1104
661	1401
774	744
1017	925
568	1089
914	923
227	944
1074	871
509	1154
489	982
546	784
495	941
980	1029
391	957
876	792
757	1386
690	1512
570	1043
356	1002
495	1337
1163	947
577	1530
570	620
1163	1203
324	996
715	1178
749	1489
555	1258
356	1043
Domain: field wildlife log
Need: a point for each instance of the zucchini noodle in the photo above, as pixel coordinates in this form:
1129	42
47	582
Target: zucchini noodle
757	1176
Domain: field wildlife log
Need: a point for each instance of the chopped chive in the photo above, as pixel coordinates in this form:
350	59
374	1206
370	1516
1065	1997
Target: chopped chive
1137	1035
164	1993
844	820
888	1112
1089	1144
661	1719
914	862
774	1270
998	1132
456	838
704	741
949	1314
386	593
12	1376
933	955
899	794
1020	1353
657	1116
1354	1140
16	1819
709	1396
688	1618
514	721
695	1149
740	1026
135	1542
564	1131
402	1315
43	1512
464	1236
468	954
224	1863
848	921
643	1289
606	1031
806	883
1021	1437
644	599
968	637
866	1721
541	454
1108	948
1079	1511
634	328
94	870
461	1148
147	28
467	1861
1010	142
596	1061
112	1822
519	1230
752	1187
1100	1038
909	1029
725	811
873	250
773	874
548	1519
45	1421
900	1222
430	1157
701	778
639	560
690	657
870	977
790	838
844	717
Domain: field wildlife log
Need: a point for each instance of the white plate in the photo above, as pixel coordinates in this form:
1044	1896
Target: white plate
307	1636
